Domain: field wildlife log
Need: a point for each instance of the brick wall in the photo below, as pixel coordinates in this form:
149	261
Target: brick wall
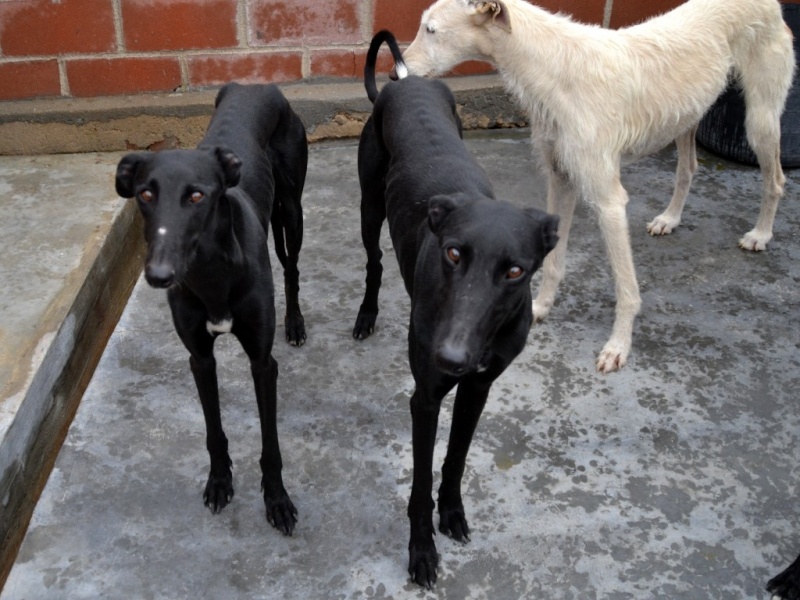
88	48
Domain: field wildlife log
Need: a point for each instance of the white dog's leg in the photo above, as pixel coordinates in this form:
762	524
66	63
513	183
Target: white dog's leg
614	226
561	199
774	180
766	76
687	166
765	141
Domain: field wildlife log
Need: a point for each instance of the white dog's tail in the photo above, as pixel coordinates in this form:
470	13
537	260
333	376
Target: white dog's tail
372	56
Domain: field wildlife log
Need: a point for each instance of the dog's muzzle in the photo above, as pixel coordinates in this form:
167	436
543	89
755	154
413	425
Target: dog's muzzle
452	360
159	275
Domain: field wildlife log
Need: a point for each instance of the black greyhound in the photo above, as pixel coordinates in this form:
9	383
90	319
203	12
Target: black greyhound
206	221
786	586
466	260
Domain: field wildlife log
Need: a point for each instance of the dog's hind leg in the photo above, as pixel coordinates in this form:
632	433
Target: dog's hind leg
687	166
373	213
763	134
470	400
287	214
561	199
610	204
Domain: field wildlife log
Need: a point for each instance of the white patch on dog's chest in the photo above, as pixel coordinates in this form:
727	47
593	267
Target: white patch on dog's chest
162	231
223	326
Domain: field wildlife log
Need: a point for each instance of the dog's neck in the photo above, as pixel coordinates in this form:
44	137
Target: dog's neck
554	63
218	246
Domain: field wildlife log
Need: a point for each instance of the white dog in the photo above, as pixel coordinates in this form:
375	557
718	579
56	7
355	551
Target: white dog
598	98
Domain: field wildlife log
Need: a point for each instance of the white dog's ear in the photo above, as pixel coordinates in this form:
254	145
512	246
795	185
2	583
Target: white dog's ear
484	9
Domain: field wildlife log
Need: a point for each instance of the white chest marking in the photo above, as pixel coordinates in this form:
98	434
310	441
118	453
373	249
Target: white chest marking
162	231
223	326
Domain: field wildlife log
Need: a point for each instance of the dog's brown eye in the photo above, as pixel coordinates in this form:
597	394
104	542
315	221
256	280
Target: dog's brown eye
196	197
515	272
146	196
453	254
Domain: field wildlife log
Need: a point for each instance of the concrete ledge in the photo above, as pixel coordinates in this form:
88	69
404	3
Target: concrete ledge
74	252
157	121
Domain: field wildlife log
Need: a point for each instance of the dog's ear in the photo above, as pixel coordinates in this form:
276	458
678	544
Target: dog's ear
231	165
546	228
126	173
439	207
494	9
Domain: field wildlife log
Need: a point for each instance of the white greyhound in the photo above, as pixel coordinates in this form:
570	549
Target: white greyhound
598	98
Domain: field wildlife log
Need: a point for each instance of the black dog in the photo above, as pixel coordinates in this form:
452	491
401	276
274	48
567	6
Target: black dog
466	260
786	586
206	217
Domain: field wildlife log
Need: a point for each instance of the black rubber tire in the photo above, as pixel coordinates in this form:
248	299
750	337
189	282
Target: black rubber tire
722	129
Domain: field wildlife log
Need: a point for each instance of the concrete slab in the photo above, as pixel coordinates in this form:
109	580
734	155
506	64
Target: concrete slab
69	261
676	477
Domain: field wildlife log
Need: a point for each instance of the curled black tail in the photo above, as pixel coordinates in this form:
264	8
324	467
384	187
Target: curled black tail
372	56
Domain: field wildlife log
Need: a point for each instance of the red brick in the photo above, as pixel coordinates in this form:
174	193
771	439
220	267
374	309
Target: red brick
150	25
335	63
585	11
249	68
631	12
42	27
307	22
98	77
32	79
347	63
401	17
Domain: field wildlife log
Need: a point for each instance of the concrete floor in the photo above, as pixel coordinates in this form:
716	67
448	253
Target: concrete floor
675	478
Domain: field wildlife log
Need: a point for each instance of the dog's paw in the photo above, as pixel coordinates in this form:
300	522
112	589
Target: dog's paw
541	310
295	330
754	241
422	564
786	586
453	523
662	225
218	492
365	325
613	357
281	513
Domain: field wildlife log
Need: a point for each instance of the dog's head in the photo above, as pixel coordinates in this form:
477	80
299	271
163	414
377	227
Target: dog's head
178	192
454	31
488	251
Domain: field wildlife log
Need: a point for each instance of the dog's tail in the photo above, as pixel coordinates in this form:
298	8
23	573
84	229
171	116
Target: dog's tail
372	57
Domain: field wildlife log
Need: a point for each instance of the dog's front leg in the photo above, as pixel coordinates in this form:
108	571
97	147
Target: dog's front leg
614	226
470	400
281	513
219	488
422	558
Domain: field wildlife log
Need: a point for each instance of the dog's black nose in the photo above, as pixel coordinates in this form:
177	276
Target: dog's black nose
159	275
452	360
